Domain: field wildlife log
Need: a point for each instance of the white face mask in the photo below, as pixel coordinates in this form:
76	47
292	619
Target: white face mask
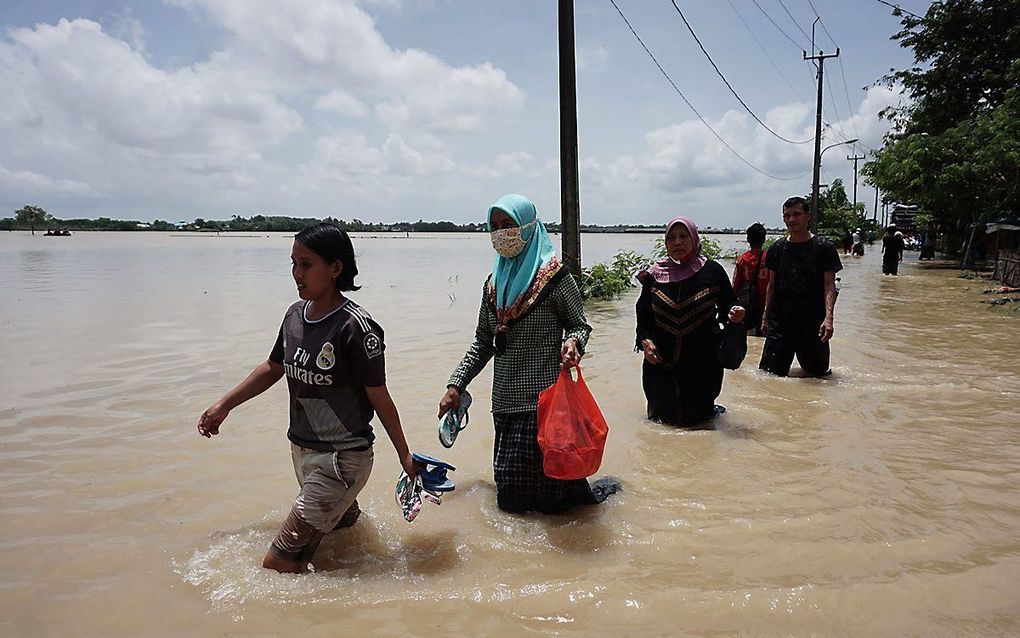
509	242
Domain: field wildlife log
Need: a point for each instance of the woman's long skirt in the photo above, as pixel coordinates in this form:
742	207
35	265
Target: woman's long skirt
682	395
521	485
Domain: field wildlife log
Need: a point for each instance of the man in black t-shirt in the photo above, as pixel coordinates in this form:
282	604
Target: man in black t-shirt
800	296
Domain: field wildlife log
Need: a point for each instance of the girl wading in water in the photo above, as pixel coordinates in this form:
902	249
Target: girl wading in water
532	321
332	353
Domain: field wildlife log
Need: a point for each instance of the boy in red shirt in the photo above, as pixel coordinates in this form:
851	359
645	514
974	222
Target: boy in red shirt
751	279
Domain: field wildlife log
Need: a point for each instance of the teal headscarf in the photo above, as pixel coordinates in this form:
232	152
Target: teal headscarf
513	276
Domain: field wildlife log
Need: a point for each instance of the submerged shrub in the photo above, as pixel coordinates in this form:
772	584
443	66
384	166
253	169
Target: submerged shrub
710	248
609	281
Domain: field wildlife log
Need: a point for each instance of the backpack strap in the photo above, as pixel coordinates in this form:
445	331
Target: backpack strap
753	297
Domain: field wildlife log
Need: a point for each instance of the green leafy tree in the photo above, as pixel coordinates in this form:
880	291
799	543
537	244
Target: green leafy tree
954	150
837	215
32	216
963	52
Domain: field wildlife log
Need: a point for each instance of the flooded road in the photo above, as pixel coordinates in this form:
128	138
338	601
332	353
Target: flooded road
882	501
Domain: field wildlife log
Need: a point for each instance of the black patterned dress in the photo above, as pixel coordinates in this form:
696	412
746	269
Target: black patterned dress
682	319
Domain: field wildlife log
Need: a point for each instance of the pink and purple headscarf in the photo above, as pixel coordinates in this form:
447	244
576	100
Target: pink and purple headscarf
669	271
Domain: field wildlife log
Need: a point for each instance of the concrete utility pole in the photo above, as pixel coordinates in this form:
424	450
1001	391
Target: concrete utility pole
570	200
874	212
818	134
855	159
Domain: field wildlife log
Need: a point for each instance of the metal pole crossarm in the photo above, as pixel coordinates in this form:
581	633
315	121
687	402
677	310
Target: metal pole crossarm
855	159
818	135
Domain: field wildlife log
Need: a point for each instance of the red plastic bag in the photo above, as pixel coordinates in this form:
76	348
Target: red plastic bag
571	429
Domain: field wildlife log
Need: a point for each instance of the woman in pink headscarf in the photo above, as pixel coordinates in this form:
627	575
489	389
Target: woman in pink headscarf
684	299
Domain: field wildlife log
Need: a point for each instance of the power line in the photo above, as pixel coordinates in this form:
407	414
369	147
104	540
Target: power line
842	72
691	106
837	131
828	85
817	15
765	51
897	7
727	83
795	23
846	137
846	90
765	13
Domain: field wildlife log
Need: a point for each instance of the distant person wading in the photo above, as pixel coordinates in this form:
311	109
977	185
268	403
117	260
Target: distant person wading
751	279
892	250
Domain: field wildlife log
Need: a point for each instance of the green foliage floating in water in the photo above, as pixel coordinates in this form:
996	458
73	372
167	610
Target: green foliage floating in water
710	248
610	280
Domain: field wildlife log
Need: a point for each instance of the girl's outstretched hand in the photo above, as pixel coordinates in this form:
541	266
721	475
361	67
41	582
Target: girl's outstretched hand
209	421
409	465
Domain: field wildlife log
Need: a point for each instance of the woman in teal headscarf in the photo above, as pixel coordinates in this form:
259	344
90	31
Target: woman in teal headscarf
532	321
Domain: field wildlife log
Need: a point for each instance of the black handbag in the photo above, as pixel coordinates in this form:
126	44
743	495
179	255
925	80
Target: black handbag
733	345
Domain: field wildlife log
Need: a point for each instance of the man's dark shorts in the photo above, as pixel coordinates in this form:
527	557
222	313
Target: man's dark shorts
787	339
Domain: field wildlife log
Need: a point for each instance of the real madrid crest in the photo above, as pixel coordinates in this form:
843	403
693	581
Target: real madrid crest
326	358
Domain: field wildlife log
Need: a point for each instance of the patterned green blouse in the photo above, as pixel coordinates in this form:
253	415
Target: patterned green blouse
531	361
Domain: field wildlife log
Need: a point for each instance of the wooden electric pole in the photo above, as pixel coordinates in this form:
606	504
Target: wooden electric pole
570	200
815	212
855	159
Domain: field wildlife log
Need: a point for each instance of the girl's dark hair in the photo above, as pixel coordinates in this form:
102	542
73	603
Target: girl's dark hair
332	243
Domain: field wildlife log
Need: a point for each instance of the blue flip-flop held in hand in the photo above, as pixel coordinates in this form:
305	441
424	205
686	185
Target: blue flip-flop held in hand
429	483
454	421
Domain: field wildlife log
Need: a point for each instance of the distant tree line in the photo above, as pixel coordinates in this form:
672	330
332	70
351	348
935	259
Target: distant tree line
32	217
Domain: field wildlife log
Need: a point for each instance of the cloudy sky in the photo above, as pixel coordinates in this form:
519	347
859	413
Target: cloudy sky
388	110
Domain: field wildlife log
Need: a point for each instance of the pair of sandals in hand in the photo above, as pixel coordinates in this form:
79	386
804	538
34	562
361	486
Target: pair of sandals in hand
430	483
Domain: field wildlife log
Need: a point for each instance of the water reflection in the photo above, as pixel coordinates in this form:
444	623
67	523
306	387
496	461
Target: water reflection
37	268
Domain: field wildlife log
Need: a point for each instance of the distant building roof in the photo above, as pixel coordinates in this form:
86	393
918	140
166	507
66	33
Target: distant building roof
1002	224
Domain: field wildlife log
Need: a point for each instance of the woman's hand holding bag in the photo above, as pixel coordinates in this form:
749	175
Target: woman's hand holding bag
571	429
732	345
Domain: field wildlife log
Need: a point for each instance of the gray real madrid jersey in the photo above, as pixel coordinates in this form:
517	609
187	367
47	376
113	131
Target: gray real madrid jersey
328	364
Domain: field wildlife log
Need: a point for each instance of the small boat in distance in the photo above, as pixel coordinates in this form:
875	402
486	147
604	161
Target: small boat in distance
57	232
